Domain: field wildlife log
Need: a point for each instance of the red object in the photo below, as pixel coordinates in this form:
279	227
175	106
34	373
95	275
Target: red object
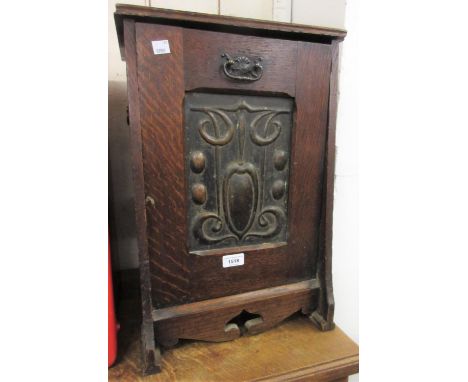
112	326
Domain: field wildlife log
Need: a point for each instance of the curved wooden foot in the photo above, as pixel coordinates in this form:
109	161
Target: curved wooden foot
322	324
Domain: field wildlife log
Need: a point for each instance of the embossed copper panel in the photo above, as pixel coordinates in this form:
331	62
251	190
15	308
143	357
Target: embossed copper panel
237	151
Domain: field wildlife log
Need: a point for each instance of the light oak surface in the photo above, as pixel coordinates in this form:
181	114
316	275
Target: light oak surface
294	351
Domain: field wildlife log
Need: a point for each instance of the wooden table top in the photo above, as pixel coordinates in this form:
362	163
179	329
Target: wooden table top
294	351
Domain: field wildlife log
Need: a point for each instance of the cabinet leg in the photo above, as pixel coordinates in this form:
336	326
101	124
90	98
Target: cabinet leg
151	362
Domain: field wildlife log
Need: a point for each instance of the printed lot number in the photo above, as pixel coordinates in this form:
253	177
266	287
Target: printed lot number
233	260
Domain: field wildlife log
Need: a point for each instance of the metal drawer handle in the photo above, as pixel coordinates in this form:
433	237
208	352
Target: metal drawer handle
242	68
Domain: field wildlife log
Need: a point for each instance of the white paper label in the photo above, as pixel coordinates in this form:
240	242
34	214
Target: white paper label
233	260
161	47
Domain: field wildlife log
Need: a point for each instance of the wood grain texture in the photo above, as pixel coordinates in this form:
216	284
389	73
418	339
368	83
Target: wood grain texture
267	267
323	316
294	351
207	320
161	84
191	295
238	25
203	62
150	353
308	147
177	276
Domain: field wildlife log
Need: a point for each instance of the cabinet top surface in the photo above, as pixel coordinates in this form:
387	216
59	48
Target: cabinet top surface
224	24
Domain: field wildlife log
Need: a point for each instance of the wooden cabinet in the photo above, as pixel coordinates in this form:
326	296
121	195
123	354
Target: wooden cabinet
233	136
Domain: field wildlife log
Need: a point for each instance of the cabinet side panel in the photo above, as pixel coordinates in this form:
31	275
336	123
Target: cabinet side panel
308	150
324	314
161	86
151	356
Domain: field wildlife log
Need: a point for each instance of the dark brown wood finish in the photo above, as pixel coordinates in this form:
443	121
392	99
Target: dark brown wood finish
268	267
210	320
323	316
225	23
308	147
203	69
161	84
180	277
186	291
151	356
294	351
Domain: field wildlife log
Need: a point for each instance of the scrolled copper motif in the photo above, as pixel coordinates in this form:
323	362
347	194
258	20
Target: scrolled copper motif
246	140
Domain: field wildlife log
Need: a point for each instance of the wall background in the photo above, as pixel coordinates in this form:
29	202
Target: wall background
328	13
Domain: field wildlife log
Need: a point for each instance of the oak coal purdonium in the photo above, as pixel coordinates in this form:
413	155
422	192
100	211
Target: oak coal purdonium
232	127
